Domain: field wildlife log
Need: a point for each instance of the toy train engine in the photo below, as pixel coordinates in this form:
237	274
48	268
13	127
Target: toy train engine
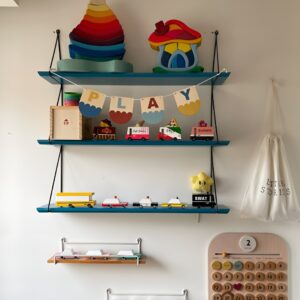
202	132
200	200
105	131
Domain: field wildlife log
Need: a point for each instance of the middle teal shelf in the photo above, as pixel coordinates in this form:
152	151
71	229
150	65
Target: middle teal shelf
187	143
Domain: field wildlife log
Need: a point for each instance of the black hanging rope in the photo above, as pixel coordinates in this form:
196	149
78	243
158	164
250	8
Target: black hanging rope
57	46
55	173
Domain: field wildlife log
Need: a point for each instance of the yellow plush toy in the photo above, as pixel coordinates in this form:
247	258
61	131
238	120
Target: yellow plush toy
202	183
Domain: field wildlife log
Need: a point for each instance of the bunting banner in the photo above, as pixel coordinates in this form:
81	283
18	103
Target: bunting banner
188	101
153	109
91	103
121	109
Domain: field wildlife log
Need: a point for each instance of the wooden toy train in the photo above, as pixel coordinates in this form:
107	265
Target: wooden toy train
172	131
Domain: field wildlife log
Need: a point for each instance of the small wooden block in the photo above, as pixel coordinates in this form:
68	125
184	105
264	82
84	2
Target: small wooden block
281	287
217	297
249	276
238	276
249	287
249	265
249	297
217	276
260	266
281	266
260	276
271	297
281	276
271	265
260	297
271	287
217	287
227	265
271	276
228	276
227	287
260	287
216	265
239	297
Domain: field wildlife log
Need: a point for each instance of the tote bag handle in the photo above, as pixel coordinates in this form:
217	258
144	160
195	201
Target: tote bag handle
273	115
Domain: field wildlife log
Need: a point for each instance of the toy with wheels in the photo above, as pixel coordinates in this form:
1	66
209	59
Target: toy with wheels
139	132
171	131
202	184
174	202
202	132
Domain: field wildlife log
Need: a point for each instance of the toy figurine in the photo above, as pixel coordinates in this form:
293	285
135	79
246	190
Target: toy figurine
104	131
145	202
202	184
138	132
177	45
202	132
171	131
174	202
114	202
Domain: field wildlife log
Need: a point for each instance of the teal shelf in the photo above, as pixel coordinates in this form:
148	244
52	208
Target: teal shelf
97	78
220	209
187	143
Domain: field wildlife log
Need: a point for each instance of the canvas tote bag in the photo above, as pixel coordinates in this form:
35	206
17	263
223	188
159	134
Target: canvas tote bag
271	195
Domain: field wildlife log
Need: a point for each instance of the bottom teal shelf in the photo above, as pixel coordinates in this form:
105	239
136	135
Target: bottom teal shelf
220	209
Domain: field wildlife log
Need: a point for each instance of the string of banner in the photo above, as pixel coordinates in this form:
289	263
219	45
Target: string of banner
152	108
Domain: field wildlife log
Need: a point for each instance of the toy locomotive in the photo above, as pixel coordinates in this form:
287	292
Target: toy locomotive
105	131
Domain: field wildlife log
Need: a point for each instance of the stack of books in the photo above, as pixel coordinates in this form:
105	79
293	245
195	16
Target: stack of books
75	200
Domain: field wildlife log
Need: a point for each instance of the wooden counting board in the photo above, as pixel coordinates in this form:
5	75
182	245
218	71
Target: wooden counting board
248	266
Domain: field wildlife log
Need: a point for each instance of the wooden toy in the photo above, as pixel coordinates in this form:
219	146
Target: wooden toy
202	184
104	131
171	131
67	123
95	253
99	253
114	202
256	267
174	202
82	65
138	132
71	98
145	202
202	132
99	38
79	199
177	45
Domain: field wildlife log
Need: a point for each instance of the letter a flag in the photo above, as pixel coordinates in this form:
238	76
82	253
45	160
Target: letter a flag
91	103
188	101
152	109
120	110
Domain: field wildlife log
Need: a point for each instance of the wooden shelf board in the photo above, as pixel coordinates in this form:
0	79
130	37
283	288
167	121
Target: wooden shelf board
135	143
97	260
221	209
97	78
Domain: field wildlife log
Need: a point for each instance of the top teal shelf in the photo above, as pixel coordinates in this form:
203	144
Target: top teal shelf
97	78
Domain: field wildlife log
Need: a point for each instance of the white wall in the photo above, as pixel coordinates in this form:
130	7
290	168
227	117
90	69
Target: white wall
258	39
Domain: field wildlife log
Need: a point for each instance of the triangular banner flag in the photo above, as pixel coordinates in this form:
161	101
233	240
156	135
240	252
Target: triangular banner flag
120	110
188	101
91	103
152	109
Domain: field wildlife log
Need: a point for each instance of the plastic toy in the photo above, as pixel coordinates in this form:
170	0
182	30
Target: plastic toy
145	202
170	132
202	132
177	45
104	131
138	132
114	202
174	202
202	183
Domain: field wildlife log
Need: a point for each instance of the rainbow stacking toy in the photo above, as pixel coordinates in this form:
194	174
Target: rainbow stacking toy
97	43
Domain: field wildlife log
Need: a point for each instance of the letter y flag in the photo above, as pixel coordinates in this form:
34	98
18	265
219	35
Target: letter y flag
188	101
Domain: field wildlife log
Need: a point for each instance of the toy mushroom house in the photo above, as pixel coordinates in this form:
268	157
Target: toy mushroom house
177	45
97	43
